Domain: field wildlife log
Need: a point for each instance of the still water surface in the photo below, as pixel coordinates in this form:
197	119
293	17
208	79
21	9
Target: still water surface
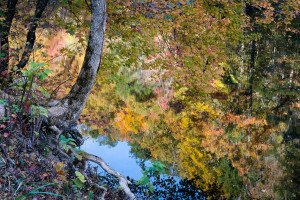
118	156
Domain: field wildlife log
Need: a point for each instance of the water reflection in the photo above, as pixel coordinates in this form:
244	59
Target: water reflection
120	156
230	124
116	154
225	153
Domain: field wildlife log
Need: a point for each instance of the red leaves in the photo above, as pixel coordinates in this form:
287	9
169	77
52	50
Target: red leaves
4	73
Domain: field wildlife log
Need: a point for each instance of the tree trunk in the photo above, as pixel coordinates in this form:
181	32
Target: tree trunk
4	32
40	7
251	74
65	113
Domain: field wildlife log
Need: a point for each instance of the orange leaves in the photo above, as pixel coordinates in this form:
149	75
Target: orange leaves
244	140
59	167
244	121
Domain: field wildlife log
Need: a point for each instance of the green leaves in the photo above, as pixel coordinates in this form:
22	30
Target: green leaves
80	180
80	176
36	65
39	110
144	180
67	141
156	168
45	93
36	68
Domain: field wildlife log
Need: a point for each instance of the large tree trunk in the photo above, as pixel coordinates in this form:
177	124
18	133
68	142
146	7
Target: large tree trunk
65	113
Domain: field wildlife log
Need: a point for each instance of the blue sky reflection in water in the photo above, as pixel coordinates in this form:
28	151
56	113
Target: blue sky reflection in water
118	156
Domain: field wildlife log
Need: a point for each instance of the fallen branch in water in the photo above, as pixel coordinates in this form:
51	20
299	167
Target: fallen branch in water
122	180
90	157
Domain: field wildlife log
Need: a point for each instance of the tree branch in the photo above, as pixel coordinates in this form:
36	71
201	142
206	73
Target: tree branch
122	180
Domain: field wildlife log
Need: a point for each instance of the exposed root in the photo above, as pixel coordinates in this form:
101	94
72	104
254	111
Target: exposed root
95	184
122	180
59	132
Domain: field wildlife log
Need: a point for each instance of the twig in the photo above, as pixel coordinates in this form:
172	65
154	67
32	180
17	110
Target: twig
51	95
24	91
29	90
89	7
59	132
122	180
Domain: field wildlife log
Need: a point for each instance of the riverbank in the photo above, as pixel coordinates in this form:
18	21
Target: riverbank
31	167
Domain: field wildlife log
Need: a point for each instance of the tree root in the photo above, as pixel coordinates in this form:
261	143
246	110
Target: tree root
95	184
90	157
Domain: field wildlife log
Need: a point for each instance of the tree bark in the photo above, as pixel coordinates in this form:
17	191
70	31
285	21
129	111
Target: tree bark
4	32
40	7
65	113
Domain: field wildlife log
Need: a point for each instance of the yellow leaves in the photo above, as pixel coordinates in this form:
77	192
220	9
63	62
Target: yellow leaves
180	93
194	161
59	167
129	121
218	84
282	127
185	122
203	107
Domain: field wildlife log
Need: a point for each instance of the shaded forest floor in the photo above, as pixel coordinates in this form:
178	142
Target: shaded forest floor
30	168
